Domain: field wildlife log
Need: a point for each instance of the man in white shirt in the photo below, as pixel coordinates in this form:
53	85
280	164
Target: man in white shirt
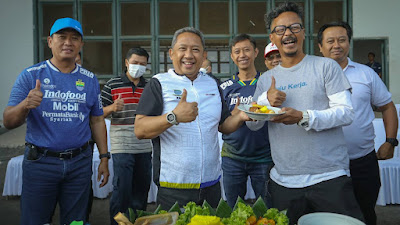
307	142
182	111
367	89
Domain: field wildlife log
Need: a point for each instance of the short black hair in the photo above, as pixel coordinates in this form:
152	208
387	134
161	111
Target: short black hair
242	37
285	7
343	24
371	53
137	51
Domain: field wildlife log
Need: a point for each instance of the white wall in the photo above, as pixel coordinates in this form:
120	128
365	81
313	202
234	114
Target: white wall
16	44
376	19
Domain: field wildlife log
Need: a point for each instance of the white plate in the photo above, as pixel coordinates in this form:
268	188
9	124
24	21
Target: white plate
322	218
260	116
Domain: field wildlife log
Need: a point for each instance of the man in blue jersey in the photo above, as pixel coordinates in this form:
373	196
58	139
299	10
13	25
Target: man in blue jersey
58	99
244	152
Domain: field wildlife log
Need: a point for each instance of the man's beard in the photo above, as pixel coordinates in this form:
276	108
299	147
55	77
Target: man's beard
290	54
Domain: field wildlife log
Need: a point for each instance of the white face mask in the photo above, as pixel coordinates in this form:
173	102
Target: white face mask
204	70
136	71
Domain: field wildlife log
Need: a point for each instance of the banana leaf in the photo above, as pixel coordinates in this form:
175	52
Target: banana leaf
223	209
206	205
175	208
259	207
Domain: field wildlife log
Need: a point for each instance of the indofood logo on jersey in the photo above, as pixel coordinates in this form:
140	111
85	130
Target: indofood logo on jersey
80	85
65	96
243	100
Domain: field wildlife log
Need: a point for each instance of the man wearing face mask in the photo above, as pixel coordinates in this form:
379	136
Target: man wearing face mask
206	67
131	157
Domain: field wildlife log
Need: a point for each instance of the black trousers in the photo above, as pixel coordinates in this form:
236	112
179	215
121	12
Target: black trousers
168	196
366	183
335	195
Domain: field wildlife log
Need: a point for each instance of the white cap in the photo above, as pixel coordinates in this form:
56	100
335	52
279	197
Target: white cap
270	48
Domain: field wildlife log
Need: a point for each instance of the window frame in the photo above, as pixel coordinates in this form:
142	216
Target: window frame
155	38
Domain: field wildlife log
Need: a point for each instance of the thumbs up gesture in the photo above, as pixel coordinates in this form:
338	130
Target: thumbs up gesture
118	104
236	110
34	97
185	111
275	96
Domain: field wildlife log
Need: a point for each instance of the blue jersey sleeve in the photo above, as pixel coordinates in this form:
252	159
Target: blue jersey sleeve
23	85
97	108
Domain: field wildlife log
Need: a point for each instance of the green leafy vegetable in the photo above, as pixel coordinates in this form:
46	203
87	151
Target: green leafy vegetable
239	199
281	219
191	209
271	213
239	215
162	212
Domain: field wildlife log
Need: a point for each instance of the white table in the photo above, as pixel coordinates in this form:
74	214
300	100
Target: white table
13	179
390	182
389	170
103	191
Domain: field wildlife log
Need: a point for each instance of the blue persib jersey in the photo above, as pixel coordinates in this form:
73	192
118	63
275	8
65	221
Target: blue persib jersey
244	144
62	119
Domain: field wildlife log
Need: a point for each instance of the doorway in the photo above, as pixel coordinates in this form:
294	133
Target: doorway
361	48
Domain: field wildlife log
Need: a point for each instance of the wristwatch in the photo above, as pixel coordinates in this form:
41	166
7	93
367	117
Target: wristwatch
108	155
393	141
171	118
304	122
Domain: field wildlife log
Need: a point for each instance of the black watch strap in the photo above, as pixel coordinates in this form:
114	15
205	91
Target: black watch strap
108	155
393	141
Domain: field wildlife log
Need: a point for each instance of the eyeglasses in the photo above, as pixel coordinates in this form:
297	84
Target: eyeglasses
272	57
281	29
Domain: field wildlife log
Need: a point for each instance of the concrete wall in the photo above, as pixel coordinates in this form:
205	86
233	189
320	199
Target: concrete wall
16	44
378	19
